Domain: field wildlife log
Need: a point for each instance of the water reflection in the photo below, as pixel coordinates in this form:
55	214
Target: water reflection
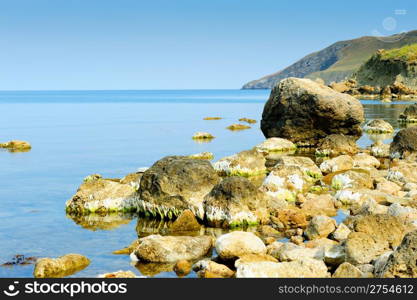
102	222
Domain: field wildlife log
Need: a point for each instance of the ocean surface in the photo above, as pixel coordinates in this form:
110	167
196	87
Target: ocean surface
77	133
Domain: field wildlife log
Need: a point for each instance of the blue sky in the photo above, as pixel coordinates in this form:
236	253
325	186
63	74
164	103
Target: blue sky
177	44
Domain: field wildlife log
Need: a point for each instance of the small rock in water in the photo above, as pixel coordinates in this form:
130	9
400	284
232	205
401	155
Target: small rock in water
212	118
119	274
247	120
16	146
185	222
203	136
60	267
378	126
234	127
182	268
276	145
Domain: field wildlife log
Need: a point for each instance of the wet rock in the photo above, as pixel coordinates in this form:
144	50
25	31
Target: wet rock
234	127
182	268
337	164
275	145
319	205
209	269
404	143
60	267
403	261
119	274
378	126
319	227
409	115
246	163
305	268
337	144
354	179
165	249
174	184
341	233
16	145
305	112
347	270
237	243
185	222
235	201
363	160
203	136
103	195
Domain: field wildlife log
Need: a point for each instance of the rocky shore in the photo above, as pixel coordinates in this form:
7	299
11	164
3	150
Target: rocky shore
270	211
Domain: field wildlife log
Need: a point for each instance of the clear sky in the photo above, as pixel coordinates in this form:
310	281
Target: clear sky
175	44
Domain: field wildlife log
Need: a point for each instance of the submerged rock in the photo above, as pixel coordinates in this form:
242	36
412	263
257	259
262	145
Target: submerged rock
103	195
275	144
246	163
237	243
174	184
16	145
166	249
403	261
378	126
305	112
235	201
60	267
337	144
404	143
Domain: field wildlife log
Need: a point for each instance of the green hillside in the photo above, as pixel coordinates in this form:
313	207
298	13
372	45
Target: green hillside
336	62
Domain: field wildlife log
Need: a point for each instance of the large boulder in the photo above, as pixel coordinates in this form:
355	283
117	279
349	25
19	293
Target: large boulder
235	201
404	143
305	112
165	249
103	195
403	261
174	184
246	163
238	243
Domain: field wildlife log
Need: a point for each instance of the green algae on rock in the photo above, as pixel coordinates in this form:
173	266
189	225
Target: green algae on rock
176	183
246	163
235	202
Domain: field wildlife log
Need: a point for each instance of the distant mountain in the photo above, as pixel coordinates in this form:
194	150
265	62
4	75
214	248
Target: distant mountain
336	62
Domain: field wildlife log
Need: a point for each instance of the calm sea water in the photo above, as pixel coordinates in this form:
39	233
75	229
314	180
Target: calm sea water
76	133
